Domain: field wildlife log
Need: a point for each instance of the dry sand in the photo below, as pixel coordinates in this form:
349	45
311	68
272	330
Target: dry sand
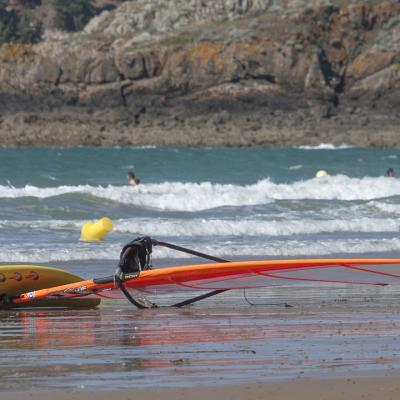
363	388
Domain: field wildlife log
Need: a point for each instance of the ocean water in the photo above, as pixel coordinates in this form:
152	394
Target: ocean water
230	202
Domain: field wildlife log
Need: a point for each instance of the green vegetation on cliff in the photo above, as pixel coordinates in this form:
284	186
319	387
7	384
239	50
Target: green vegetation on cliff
18	26
73	15
23	21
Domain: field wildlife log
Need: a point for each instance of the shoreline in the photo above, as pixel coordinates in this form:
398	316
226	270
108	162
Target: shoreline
251	129
365	388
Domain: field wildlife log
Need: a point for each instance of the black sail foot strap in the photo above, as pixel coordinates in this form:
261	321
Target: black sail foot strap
134	258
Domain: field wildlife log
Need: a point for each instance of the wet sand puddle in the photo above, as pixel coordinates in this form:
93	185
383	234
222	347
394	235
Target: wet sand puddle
221	341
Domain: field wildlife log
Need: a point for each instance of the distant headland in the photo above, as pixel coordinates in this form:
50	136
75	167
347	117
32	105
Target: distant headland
204	73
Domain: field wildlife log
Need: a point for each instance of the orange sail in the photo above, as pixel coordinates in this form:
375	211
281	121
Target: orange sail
233	275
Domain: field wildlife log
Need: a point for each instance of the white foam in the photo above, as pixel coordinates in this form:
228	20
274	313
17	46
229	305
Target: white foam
148	146
179	196
326	146
295	167
201	227
71	252
42	225
11	192
389	208
249	228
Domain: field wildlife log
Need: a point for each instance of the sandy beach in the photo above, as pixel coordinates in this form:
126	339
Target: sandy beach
362	388
328	345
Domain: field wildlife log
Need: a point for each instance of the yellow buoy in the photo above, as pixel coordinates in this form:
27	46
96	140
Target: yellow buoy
96	230
321	173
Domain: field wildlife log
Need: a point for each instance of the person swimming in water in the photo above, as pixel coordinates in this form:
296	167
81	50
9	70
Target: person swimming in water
132	179
390	172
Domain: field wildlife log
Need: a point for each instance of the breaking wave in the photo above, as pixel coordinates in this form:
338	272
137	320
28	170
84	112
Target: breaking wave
180	196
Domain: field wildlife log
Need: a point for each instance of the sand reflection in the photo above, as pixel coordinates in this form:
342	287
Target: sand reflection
120	347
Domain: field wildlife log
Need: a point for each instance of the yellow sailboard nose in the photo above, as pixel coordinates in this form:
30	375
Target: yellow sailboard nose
17	279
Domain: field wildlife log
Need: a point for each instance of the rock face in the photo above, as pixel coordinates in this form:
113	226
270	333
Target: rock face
210	72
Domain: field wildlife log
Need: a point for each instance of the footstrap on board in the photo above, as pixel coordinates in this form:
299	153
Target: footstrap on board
135	257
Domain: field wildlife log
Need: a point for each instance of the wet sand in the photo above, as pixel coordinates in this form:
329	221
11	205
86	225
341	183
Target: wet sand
364	388
334	342
217	344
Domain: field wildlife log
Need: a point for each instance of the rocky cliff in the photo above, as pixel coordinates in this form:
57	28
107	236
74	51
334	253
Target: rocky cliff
210	72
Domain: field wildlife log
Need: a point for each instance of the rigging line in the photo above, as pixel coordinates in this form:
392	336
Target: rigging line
372	271
197	254
206	256
188	251
198	298
287	305
139	303
294	278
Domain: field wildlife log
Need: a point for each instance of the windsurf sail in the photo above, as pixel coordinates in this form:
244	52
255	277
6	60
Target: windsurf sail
136	276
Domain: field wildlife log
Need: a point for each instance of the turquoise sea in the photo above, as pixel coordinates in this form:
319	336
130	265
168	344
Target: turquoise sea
230	202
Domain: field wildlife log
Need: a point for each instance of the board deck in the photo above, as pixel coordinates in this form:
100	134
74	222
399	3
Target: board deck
17	279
